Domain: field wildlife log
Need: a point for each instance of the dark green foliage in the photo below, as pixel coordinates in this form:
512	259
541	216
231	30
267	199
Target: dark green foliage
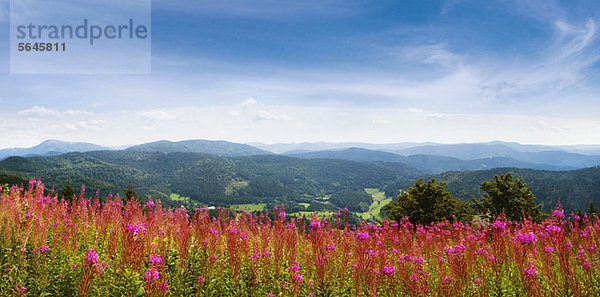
12	180
130	193
575	188
67	192
218	147
424	203
591	209
208	179
319	206
508	195
358	201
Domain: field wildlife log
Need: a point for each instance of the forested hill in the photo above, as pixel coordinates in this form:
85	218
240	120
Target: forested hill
209	179
213	147
216	180
575	188
433	163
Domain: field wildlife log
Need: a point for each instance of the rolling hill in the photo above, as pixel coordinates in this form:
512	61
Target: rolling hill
432	163
207	178
213	147
51	147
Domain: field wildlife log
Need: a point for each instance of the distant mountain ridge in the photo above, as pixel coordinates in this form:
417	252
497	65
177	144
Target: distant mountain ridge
433	157
432	163
213	147
51	147
523	153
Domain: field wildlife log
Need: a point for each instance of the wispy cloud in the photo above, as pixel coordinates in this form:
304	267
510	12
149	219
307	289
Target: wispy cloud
453	79
562	65
448	4
41	111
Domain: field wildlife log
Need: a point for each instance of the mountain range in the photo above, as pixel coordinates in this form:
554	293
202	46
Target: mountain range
51	147
295	182
432	157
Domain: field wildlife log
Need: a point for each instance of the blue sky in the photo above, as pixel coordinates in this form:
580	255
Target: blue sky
328	70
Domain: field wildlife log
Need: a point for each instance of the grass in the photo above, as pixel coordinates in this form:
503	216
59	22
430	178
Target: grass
306	205
235	186
319	213
177	197
249	207
379	201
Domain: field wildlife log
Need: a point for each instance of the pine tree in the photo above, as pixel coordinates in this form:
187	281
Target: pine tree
130	193
68	192
591	209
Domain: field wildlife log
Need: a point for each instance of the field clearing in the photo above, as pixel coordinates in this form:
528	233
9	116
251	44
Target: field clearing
306	205
249	207
177	197
379	201
235	186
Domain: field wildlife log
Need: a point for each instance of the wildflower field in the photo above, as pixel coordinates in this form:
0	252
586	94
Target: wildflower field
50	247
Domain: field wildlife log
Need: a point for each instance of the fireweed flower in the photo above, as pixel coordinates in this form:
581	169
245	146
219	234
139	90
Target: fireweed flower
200	279
531	272
151	274
558	214
362	236
136	229
389	270
297	278
294	267
154	259
91	257
526	239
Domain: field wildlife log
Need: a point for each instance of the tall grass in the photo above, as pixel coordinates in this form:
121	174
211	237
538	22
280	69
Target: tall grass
50	247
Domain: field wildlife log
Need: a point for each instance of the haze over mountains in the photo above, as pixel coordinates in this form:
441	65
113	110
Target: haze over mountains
432	157
51	147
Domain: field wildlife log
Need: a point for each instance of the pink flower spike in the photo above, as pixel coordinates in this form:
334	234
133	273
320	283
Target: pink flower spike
297	278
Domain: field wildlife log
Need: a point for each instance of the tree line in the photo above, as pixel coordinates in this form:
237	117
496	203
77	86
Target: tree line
504	195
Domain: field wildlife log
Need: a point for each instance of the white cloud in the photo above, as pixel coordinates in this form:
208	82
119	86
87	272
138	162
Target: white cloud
433	54
448	4
265	115
416	110
249	102
381	122
293	123
425	115
564	64
544	127
156	115
42	111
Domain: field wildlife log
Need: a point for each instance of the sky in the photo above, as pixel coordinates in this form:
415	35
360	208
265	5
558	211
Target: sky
271	71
